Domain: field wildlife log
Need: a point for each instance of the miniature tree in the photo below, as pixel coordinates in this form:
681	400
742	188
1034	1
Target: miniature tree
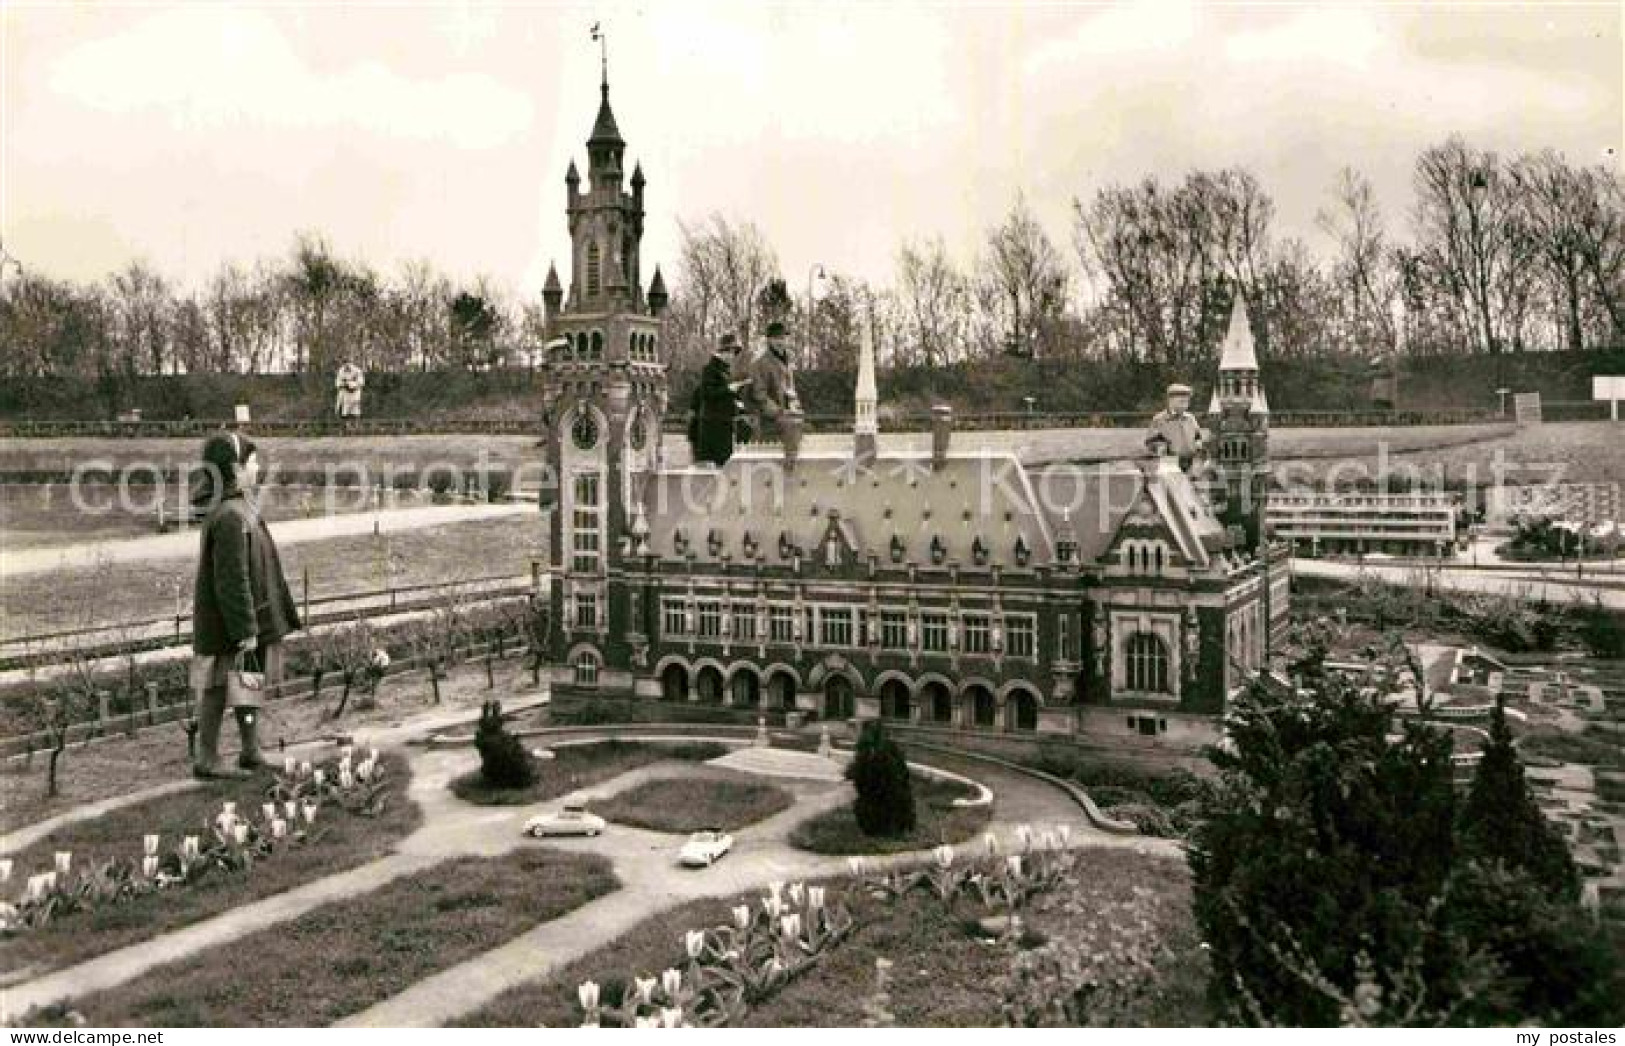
434	637
349	649
504	760
885	800
1500	820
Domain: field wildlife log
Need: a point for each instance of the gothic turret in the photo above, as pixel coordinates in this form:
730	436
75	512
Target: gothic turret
552	293
657	294
1239	416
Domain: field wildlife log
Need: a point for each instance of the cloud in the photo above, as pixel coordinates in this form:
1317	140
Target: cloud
207	68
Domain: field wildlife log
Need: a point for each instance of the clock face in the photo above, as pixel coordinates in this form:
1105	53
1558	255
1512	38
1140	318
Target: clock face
584	430
639	434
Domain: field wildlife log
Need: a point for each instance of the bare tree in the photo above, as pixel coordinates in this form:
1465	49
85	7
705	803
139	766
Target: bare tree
142	312
724	266
1466	227
1363	267
1024	280
934	299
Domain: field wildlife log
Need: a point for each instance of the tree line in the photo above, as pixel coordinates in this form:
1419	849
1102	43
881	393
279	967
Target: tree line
1494	254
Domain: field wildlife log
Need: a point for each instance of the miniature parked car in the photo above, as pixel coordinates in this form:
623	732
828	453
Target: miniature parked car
703	848
573	819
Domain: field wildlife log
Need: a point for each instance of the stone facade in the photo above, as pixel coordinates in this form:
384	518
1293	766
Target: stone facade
953	589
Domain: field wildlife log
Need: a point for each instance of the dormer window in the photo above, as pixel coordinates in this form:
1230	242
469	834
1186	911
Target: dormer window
787	548
897	549
679	542
713	541
832	551
978	551
1023	552
748	545
939	551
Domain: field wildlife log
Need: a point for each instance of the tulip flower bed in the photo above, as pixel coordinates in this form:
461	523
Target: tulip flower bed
341	958
689	804
726	973
98	885
936	821
577	766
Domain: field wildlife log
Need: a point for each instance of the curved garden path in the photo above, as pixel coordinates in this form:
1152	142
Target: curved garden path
644	861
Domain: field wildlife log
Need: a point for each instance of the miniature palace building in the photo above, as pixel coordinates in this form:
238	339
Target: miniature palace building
943	589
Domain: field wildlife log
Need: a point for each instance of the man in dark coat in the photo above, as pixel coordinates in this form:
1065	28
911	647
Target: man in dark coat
715	406
772	388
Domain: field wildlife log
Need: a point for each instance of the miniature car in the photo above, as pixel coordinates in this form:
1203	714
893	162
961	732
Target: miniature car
703	848
573	819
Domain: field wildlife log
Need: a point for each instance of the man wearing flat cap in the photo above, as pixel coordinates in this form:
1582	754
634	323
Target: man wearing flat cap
714	406
772	382
1175	430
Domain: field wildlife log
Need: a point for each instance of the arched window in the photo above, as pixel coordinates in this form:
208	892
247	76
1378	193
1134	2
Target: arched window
594	265
596	352
1147	662
586	667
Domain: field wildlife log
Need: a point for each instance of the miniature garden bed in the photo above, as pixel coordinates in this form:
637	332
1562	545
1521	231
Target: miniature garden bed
689	804
937	821
346	841
942	974
580	765
339	959
1587	747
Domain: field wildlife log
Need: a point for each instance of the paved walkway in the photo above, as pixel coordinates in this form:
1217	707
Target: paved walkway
183	544
644	862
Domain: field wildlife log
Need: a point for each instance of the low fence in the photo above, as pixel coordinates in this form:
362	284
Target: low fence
103	642
676	423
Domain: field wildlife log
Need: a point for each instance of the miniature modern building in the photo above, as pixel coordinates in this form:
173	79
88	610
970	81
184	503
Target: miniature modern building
950	588
1328	522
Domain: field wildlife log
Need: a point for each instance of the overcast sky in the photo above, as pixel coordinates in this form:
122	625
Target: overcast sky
196	134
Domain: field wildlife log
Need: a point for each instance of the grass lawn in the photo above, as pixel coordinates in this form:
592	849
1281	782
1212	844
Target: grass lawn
1588	747
941	977
689	804
348	841
120	764
936	821
577	766
108	593
343	957
41	516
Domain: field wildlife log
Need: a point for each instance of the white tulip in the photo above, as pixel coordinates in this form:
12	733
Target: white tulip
149	867
671	1017
149	845
279	828
64	861
671	982
796	891
945	856
189	848
647	1022
290	809
309	810
815	898
588	994
694	941
5	869
289	766
305	768
268	811
320	776
742	916
1014	861
239	834
790	925
775	888
646	988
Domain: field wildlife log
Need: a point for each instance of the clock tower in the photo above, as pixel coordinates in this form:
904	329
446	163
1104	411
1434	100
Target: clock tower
604	395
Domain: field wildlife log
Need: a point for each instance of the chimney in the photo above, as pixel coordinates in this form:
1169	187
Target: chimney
790	424
942	425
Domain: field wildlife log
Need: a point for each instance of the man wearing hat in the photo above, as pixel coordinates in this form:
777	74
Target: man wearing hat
714	406
772	381
1175	430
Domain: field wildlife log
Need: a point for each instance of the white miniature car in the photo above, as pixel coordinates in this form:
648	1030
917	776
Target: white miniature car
573	819
703	848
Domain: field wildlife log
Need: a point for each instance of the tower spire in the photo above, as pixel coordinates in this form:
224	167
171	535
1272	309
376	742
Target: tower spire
865	428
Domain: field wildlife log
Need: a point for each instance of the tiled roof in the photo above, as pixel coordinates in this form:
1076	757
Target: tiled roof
604	129
974	496
1238	353
980	506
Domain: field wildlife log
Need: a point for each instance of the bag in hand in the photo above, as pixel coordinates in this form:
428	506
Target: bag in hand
245	684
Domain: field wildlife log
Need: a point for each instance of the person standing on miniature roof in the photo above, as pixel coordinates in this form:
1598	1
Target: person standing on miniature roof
714	406
1175	430
772	389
